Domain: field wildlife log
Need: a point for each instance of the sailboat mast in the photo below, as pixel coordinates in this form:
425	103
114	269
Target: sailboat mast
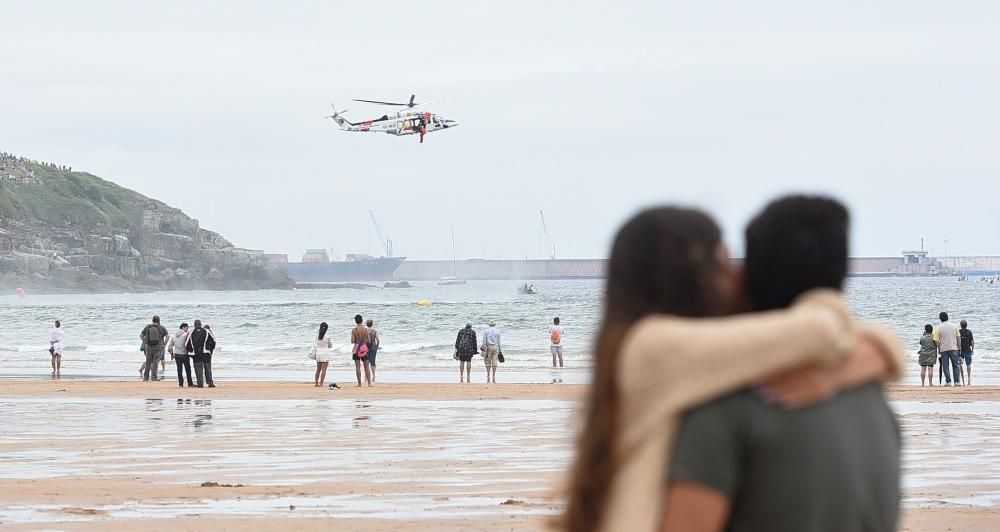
454	265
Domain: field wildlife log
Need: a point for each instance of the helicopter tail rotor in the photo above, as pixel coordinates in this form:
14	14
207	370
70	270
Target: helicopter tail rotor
340	120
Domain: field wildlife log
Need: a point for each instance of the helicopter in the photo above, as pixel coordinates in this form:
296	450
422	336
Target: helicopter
404	122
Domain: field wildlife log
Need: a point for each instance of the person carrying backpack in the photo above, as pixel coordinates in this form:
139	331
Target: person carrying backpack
154	339
556	333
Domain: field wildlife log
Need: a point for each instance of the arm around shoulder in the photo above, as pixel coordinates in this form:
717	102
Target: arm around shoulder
693	360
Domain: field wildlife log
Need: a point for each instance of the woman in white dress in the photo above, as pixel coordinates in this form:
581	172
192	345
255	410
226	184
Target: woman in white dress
323	346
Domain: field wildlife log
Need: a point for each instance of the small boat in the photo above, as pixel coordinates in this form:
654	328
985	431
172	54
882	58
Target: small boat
526	290
452	280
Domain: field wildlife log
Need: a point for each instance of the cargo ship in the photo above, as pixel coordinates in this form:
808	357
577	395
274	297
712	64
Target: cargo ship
316	267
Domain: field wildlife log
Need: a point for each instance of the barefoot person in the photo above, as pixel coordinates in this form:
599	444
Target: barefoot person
556	333
927	355
466	347
359	349
56	348
968	346
374	342
323	346
670	281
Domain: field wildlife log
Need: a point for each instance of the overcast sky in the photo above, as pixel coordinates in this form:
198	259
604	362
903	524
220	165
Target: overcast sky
586	110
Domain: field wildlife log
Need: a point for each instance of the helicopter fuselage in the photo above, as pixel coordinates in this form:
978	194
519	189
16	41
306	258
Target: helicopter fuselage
399	124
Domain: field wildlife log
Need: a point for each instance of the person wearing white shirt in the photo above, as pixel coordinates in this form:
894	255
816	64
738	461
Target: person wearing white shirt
56	348
491	351
556	332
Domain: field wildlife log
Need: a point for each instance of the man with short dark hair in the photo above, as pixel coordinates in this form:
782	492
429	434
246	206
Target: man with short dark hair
359	349
742	463
154	339
948	341
556	333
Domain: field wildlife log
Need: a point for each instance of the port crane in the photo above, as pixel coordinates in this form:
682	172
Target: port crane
548	238
382	238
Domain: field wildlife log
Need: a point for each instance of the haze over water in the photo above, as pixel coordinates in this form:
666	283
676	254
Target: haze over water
265	334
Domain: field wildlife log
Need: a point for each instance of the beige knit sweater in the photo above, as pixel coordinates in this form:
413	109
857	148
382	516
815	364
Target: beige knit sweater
669	365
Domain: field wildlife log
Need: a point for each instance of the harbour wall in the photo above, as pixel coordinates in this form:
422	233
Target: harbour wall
536	269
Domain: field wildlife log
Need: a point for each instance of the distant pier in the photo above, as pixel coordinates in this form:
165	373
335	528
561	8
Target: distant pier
909	264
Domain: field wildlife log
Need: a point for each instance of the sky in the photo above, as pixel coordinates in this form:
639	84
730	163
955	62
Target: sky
587	111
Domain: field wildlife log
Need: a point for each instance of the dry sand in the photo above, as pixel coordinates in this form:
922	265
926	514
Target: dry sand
294	461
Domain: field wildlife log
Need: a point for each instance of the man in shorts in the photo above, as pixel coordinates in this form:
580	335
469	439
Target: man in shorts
491	351
466	346
556	332
359	337
968	346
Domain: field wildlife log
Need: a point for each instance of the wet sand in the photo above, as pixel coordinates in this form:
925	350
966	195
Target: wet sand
84	455
289	390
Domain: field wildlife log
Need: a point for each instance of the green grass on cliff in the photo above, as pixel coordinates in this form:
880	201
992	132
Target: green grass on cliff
71	198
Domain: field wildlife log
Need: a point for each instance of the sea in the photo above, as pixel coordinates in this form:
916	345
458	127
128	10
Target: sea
267	334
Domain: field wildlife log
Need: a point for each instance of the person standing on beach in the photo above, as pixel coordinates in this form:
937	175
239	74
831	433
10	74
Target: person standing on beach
927	355
359	349
323	346
466	347
154	338
556	333
491	351
374	342
201	343
56	348
178	350
948	341
968	345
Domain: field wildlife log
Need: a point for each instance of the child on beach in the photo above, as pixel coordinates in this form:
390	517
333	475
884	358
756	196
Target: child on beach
927	355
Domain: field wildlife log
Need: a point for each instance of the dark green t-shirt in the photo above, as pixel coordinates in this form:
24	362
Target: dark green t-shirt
833	467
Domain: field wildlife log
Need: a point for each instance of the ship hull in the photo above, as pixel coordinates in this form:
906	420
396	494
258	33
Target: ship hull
362	270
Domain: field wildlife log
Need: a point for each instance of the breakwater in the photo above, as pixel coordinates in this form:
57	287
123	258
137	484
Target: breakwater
479	269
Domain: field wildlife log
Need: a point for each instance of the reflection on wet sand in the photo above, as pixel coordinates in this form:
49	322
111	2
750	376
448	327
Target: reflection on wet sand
391	459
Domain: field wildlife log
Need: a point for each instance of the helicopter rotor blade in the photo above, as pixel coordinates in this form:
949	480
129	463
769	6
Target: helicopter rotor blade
382	103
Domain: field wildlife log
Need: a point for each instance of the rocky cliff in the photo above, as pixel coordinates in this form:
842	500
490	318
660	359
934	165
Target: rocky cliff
66	231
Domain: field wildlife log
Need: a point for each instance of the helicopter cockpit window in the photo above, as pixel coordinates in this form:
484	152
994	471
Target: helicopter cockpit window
435	120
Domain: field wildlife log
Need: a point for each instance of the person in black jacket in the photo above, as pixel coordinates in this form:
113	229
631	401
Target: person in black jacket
201	342
466	346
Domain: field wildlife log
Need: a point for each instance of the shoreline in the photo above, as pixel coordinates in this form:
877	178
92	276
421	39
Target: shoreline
304	390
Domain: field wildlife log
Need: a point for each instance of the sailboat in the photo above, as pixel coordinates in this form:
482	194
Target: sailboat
452	279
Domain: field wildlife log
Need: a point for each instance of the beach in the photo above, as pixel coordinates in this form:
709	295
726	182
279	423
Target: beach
126	455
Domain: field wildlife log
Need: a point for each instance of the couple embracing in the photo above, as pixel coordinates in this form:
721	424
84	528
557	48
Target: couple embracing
736	400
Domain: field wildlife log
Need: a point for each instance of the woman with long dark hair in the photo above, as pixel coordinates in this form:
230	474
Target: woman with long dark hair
671	262
323	346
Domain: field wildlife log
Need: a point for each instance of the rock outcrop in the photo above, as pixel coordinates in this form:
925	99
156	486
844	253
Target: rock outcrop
65	231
